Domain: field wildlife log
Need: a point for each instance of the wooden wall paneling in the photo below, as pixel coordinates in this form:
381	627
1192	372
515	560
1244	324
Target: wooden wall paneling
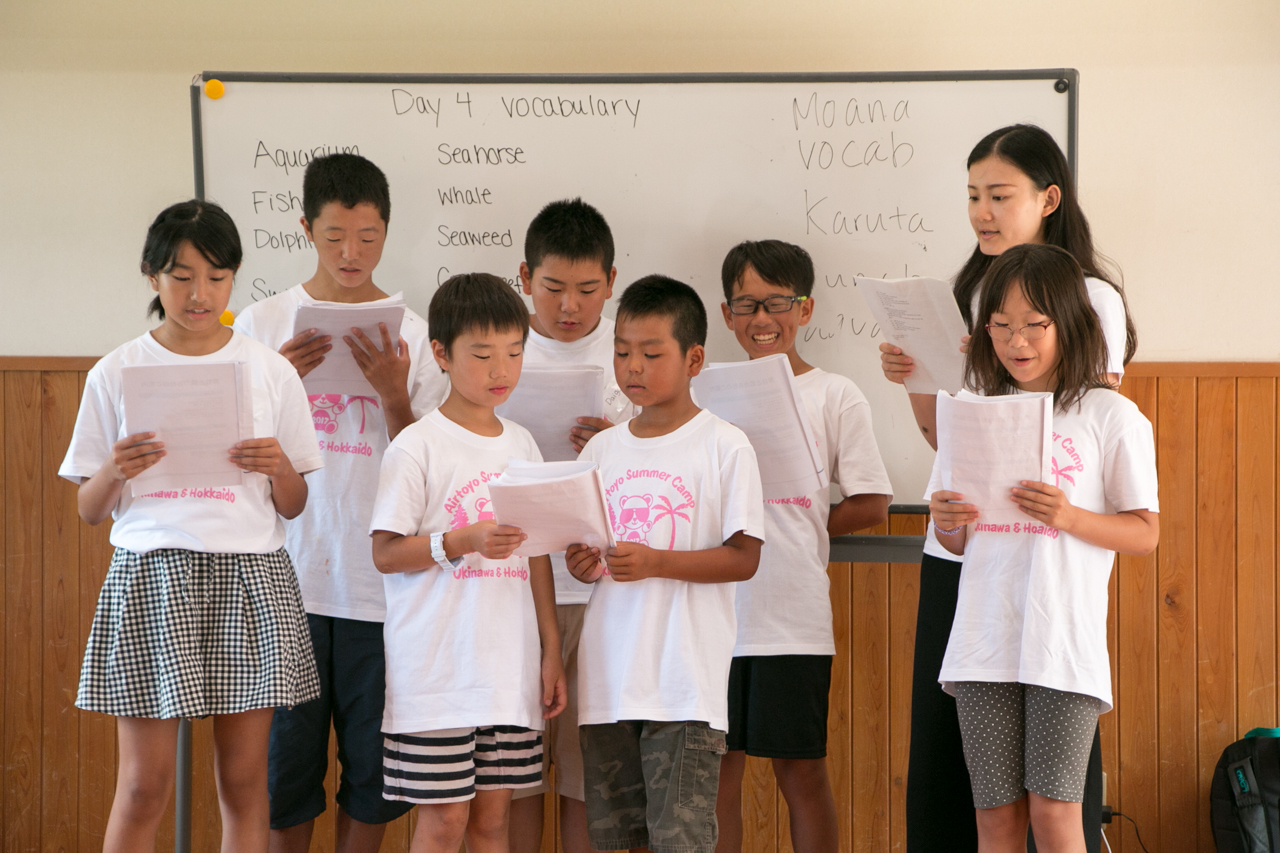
869	646
60	798
97	731
759	807
1109	723
1255	603
1176	830
841	756
904	596
4	582
1215	582
23	612
1135	787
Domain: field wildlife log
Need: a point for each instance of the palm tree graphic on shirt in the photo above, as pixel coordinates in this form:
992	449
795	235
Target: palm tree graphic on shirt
663	509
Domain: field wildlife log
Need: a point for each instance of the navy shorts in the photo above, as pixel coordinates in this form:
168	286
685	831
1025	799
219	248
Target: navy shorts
778	705
352	664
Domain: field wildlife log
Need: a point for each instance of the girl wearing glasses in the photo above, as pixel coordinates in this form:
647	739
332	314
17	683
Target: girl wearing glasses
1020	191
1027	655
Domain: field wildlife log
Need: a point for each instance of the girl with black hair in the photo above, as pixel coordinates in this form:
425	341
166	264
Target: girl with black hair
1020	191
200	613
1026	659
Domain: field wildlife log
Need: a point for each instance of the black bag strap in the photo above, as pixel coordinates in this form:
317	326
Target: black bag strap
1250	812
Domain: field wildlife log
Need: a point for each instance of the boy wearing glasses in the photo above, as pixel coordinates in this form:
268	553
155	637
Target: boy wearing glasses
781	672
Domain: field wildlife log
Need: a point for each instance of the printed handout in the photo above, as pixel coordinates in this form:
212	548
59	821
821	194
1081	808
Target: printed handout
339	372
547	401
557	504
761	399
920	316
987	445
199	411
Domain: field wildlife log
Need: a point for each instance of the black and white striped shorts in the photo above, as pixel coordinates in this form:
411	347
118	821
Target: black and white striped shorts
450	765
188	634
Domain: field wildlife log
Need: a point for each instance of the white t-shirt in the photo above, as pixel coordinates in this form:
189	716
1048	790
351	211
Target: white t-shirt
595	348
1033	601
1109	306
660	649
229	520
462	646
329	542
786	608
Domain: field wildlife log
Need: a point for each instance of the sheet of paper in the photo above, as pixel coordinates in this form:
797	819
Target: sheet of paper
199	411
547	401
920	316
557	504
761	399
339	372
987	445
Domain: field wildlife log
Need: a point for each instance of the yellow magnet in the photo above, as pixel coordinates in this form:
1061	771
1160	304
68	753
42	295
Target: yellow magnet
214	89
227	317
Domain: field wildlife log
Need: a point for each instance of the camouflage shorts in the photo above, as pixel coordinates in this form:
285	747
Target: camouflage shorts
652	784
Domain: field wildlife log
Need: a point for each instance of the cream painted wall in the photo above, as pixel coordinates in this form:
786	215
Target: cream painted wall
1179	122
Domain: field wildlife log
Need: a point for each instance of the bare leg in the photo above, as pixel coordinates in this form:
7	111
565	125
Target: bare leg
807	789
526	824
1056	825
489	826
144	783
573	826
1004	828
729	802
240	768
440	827
293	839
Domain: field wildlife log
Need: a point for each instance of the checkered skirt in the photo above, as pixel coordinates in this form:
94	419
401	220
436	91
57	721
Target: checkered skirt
188	634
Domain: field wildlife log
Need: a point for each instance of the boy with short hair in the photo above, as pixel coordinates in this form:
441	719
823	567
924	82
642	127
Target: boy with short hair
346	209
684	498
568	271
781	674
473	653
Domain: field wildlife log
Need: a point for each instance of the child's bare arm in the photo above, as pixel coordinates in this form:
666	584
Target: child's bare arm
395	552
857	512
735	560
1135	532
554	690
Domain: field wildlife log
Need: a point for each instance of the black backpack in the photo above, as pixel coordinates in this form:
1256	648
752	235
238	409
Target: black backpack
1244	799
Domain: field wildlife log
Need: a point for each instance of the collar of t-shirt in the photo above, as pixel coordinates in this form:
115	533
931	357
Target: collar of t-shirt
563	349
304	298
461	433
230	351
629	439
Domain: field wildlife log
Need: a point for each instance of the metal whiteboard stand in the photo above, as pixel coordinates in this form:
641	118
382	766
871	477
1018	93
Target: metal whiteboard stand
182	791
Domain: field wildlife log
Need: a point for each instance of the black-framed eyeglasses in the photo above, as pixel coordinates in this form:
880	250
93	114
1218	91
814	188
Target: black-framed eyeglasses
1029	332
745	306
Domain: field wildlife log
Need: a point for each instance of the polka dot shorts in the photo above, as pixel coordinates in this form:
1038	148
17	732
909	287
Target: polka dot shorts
1020	737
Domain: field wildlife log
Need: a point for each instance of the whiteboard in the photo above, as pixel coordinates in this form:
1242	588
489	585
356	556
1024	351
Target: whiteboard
866	171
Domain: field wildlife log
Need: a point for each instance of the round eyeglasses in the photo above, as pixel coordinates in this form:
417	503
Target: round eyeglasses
745	306
1029	332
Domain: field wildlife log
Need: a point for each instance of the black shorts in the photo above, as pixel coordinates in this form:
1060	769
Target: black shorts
351	659
778	705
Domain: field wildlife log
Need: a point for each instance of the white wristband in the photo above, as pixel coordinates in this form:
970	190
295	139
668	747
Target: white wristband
437	553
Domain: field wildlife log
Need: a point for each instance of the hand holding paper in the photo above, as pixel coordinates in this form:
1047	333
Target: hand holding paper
920	316
989	445
555	504
339	371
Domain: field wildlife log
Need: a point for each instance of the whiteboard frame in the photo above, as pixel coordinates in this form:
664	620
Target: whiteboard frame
1070	75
